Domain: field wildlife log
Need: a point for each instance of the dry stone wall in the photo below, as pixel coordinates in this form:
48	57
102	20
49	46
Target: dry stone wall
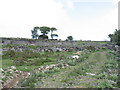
38	42
51	44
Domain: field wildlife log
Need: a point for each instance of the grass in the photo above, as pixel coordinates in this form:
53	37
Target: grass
35	77
9	45
102	63
26	68
75	76
104	84
30	59
96	42
108	72
33	46
6	63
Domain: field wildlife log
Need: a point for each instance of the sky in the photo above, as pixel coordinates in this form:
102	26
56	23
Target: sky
82	19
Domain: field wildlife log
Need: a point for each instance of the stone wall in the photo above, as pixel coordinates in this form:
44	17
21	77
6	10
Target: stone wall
38	42
53	43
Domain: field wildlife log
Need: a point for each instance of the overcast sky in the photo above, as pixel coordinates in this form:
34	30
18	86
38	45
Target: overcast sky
82	19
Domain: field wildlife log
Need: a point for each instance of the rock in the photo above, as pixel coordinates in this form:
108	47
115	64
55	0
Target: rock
13	67
118	58
1	69
111	82
75	57
92	74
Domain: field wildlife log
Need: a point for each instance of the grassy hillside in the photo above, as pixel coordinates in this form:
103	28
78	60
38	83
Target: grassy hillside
97	71
89	68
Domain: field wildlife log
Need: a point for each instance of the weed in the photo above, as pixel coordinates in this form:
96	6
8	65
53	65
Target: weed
32	46
71	62
29	82
34	77
104	84
9	45
8	54
113	77
90	48
101	75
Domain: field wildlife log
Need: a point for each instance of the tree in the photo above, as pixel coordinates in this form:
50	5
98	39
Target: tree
115	37
53	35
70	38
44	30
110	36
43	37
35	32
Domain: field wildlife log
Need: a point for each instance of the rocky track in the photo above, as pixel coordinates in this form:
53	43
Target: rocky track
13	83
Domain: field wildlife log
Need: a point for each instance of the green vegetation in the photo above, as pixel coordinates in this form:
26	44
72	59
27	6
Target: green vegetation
90	69
6	63
35	77
115	38
75	76
44	31
34	33
94	42
69	38
28	58
53	35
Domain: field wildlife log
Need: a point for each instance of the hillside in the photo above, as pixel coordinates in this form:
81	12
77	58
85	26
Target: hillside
58	64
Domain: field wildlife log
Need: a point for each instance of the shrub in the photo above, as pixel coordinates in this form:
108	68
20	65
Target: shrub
8	54
32	46
104	84
71	62
29	82
113	77
19	61
90	48
79	71
101	75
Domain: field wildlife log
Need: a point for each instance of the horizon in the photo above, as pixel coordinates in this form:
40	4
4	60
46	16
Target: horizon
52	39
83	19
